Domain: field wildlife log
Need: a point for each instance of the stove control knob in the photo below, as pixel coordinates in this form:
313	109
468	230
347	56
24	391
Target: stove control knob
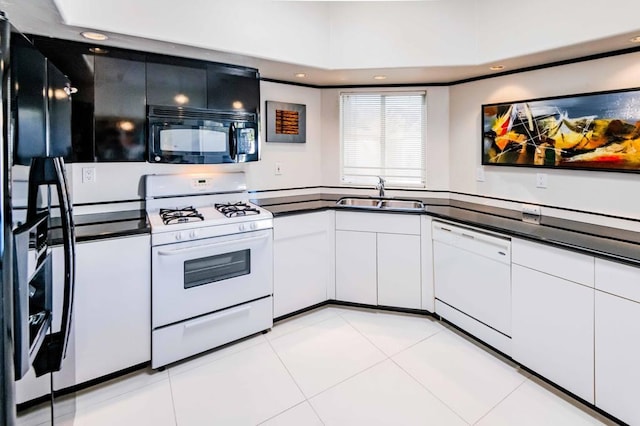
178	236
253	225
241	227
193	234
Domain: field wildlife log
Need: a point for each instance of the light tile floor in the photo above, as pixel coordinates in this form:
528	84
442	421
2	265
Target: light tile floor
332	366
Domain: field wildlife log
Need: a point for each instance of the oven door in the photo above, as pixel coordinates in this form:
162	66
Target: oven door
198	277
191	142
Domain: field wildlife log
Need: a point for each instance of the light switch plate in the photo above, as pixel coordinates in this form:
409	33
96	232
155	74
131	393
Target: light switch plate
480	174
278	169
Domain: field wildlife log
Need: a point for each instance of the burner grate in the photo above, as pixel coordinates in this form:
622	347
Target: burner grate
181	215
236	209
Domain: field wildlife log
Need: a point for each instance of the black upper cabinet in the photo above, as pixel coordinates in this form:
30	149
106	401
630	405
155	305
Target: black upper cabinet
115	85
59	106
233	88
75	60
177	85
120	109
29	85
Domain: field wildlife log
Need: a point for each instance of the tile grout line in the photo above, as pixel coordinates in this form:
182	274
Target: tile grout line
501	401
173	401
429	390
306	399
303	327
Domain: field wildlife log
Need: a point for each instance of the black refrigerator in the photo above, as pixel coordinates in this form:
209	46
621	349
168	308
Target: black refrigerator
35	314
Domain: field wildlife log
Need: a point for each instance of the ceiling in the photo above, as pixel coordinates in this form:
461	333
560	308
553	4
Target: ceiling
43	17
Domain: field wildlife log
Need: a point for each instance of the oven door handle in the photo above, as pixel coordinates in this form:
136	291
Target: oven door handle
176	252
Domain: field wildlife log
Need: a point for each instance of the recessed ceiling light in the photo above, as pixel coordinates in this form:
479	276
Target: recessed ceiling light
635	39
300	75
98	50
497	68
94	36
379	77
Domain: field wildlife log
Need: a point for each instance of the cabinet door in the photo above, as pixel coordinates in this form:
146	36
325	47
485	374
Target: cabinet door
76	61
176	85
552	329
617	351
230	88
301	261
399	270
111	311
428	300
356	267
120	109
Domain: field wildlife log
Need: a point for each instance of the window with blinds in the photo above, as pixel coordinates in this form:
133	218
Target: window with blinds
383	134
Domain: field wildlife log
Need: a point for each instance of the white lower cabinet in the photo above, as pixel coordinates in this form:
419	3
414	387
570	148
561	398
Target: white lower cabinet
378	259
617	340
552	329
111	326
303	261
111	323
399	270
356	273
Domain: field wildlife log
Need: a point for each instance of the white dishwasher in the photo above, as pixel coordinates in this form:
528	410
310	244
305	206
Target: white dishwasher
472	280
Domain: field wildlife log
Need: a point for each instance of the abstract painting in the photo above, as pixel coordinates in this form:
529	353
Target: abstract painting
599	131
286	122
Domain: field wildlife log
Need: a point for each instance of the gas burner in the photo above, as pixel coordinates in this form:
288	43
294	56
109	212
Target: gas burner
185	214
236	209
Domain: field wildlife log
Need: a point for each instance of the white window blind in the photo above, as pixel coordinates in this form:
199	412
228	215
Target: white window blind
383	134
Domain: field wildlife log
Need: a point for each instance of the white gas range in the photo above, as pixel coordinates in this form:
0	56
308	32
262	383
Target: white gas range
212	263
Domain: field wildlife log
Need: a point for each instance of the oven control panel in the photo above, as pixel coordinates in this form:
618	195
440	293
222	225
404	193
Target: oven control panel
202	184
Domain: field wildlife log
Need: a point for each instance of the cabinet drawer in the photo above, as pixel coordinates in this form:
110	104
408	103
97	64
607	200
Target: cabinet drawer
616	278
378	222
175	342
300	225
561	263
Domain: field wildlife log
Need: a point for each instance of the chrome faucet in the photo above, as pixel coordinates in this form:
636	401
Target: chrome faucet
380	186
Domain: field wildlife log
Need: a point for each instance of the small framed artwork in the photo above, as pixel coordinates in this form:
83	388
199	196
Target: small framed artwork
590	131
286	122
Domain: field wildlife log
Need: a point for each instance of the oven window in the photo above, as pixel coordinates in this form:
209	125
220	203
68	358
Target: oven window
216	268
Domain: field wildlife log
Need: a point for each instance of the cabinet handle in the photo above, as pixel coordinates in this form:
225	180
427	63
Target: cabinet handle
205	321
468	236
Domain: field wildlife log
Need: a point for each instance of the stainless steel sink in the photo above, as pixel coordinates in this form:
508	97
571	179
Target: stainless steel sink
402	204
381	203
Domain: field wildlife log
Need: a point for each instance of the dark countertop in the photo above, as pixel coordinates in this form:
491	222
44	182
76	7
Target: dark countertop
90	227
602	241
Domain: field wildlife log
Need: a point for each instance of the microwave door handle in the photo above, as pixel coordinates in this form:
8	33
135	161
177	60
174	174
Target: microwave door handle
233	142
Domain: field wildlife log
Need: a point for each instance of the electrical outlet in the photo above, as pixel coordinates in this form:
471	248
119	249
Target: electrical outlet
480	174
541	180
88	175
531	209
278	169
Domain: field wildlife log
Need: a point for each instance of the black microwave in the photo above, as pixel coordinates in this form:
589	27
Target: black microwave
188	135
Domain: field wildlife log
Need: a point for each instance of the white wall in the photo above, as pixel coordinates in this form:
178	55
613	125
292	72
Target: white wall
437	134
601	192
301	163
362	34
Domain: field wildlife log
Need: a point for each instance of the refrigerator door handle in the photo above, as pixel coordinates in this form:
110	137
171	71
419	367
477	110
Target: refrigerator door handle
69	242
52	359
